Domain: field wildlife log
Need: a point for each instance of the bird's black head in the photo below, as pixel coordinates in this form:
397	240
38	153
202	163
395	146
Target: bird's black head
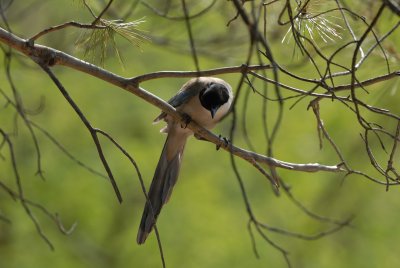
213	96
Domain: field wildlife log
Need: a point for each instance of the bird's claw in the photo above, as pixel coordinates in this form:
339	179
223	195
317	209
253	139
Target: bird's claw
224	142
186	120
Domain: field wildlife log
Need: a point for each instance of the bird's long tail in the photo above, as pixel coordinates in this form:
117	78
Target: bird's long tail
164	179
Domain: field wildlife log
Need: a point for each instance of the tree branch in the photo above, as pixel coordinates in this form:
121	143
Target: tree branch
55	57
183	74
62	26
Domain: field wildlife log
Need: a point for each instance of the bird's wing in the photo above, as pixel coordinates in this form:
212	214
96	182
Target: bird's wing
183	95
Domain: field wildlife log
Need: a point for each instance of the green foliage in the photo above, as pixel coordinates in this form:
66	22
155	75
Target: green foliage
97	43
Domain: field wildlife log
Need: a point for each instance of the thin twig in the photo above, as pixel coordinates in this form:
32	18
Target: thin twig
134	164
102	12
62	26
211	72
20	188
87	125
191	39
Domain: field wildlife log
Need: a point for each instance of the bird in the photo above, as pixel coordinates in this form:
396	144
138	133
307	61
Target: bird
205	100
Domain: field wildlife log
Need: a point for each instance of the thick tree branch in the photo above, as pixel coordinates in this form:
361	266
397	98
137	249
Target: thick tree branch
55	57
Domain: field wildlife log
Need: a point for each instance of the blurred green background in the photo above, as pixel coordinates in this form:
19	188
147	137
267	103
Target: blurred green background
205	222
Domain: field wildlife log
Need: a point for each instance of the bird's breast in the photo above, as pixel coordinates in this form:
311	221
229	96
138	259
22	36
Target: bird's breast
201	115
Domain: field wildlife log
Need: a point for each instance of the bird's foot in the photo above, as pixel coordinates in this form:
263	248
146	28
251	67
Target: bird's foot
186	120
224	141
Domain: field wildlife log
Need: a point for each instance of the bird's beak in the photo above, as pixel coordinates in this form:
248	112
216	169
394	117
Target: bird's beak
213	111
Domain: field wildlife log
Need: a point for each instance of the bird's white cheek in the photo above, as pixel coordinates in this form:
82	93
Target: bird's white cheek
222	111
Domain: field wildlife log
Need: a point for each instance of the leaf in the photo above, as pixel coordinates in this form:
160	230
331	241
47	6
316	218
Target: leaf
313	24
98	43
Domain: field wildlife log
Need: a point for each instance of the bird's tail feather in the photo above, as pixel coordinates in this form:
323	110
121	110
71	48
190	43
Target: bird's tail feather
164	179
